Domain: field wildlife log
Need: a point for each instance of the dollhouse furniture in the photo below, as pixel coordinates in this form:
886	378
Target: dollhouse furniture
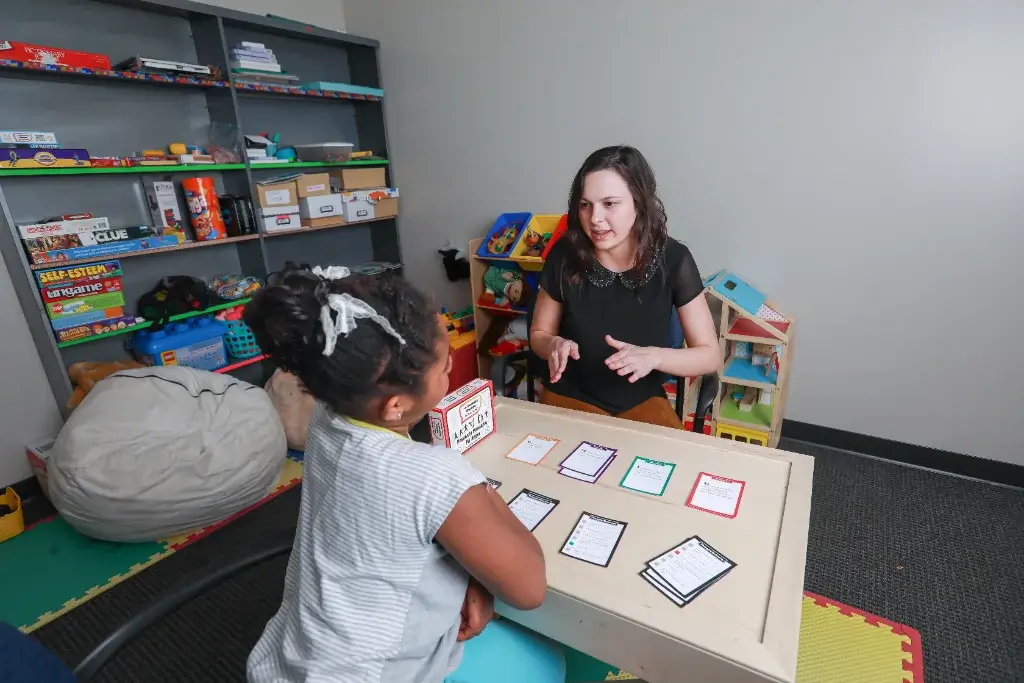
756	342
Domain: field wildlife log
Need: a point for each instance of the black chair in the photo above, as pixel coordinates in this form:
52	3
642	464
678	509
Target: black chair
191	588
535	366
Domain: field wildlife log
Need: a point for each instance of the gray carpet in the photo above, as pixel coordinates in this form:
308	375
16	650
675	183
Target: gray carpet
941	554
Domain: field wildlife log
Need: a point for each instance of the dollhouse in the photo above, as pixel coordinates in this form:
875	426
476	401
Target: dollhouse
756	343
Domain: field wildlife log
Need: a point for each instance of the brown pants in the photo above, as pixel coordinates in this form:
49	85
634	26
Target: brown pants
654	411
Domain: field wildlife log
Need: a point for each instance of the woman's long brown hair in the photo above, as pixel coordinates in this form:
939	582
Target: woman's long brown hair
651	227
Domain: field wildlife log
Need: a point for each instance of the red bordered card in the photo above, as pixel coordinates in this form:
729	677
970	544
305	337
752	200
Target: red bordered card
718	495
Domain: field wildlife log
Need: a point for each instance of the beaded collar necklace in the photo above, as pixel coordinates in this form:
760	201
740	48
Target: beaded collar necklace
634	278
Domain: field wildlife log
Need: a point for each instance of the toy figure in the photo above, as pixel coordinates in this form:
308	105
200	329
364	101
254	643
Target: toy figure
504	285
535	243
501	241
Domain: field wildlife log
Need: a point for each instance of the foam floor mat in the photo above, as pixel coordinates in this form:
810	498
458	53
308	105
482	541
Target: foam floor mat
837	643
49	569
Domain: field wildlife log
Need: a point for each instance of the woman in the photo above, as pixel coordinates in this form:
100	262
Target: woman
607	291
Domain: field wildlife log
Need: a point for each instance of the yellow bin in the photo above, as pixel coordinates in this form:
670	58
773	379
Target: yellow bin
12	523
539	225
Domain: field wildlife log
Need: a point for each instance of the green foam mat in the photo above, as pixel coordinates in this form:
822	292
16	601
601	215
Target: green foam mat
50	568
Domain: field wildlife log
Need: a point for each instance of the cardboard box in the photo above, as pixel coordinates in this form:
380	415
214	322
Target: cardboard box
106	285
86	304
42	54
37	457
99	251
320	206
44	157
38	247
464	417
283	221
743	629
164	208
313	184
365	205
63	227
366	178
277	195
86	330
60	277
329	222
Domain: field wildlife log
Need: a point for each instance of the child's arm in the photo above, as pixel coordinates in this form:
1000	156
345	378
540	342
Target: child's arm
494	546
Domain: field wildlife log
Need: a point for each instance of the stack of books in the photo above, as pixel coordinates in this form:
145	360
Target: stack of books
255	64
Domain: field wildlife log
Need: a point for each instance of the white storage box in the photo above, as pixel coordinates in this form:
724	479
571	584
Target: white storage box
320	206
365	205
284	221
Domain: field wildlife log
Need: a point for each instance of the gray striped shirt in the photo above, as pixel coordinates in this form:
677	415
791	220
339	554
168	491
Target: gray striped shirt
368	596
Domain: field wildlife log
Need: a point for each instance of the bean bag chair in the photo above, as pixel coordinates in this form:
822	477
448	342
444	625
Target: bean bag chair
154	452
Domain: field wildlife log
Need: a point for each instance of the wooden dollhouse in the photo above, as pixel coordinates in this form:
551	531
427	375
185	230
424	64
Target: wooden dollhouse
756	343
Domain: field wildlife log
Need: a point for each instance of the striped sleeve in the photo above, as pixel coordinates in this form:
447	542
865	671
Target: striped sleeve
441	475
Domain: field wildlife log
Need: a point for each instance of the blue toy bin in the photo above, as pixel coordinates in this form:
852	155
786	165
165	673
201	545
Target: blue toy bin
504	222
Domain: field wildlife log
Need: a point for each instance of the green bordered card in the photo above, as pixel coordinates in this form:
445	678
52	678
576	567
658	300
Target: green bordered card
648	476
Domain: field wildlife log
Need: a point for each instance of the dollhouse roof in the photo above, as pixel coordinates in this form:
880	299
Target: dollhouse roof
758	322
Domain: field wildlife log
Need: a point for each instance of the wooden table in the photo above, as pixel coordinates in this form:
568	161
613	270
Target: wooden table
743	628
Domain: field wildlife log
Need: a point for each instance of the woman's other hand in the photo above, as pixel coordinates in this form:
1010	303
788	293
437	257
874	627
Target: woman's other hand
635	361
561	351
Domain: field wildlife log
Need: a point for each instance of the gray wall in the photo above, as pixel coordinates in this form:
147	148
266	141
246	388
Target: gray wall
29	412
861	162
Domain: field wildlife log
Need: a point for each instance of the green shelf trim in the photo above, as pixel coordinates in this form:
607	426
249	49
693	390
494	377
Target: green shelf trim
142	326
322	164
88	170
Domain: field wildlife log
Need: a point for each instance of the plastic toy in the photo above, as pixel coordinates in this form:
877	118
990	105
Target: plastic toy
86	374
503	285
231	287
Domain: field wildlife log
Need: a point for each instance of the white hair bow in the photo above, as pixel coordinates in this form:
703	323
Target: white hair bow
346	309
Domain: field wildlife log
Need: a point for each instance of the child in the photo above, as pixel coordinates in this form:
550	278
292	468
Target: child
399	546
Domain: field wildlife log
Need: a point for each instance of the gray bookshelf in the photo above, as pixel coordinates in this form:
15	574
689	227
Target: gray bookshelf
119	117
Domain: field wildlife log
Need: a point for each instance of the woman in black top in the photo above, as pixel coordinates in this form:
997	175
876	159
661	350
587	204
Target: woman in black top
607	291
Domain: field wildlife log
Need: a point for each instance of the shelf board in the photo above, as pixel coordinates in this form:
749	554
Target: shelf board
297	231
240	364
145	252
741	371
89	170
760	417
509	312
745	329
322	164
110	75
142	326
98	75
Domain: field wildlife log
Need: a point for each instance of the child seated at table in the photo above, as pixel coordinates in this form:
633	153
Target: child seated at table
400	547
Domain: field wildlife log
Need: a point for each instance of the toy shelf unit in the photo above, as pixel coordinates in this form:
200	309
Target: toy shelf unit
505	268
202	142
756	343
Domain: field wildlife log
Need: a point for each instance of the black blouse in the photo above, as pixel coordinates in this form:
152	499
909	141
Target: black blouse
632	307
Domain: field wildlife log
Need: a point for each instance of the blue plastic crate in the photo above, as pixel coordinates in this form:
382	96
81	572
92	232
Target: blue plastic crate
505	222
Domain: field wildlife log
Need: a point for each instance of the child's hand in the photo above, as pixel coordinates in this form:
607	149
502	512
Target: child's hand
477	610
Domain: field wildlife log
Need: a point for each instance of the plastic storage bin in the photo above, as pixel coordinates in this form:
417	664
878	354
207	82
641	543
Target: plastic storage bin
196	343
504	235
12	522
538	226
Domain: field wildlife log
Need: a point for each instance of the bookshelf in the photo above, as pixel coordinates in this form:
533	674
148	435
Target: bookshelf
113	113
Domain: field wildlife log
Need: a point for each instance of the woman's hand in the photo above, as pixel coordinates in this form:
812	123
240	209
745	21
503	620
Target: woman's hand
635	361
477	610
561	351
